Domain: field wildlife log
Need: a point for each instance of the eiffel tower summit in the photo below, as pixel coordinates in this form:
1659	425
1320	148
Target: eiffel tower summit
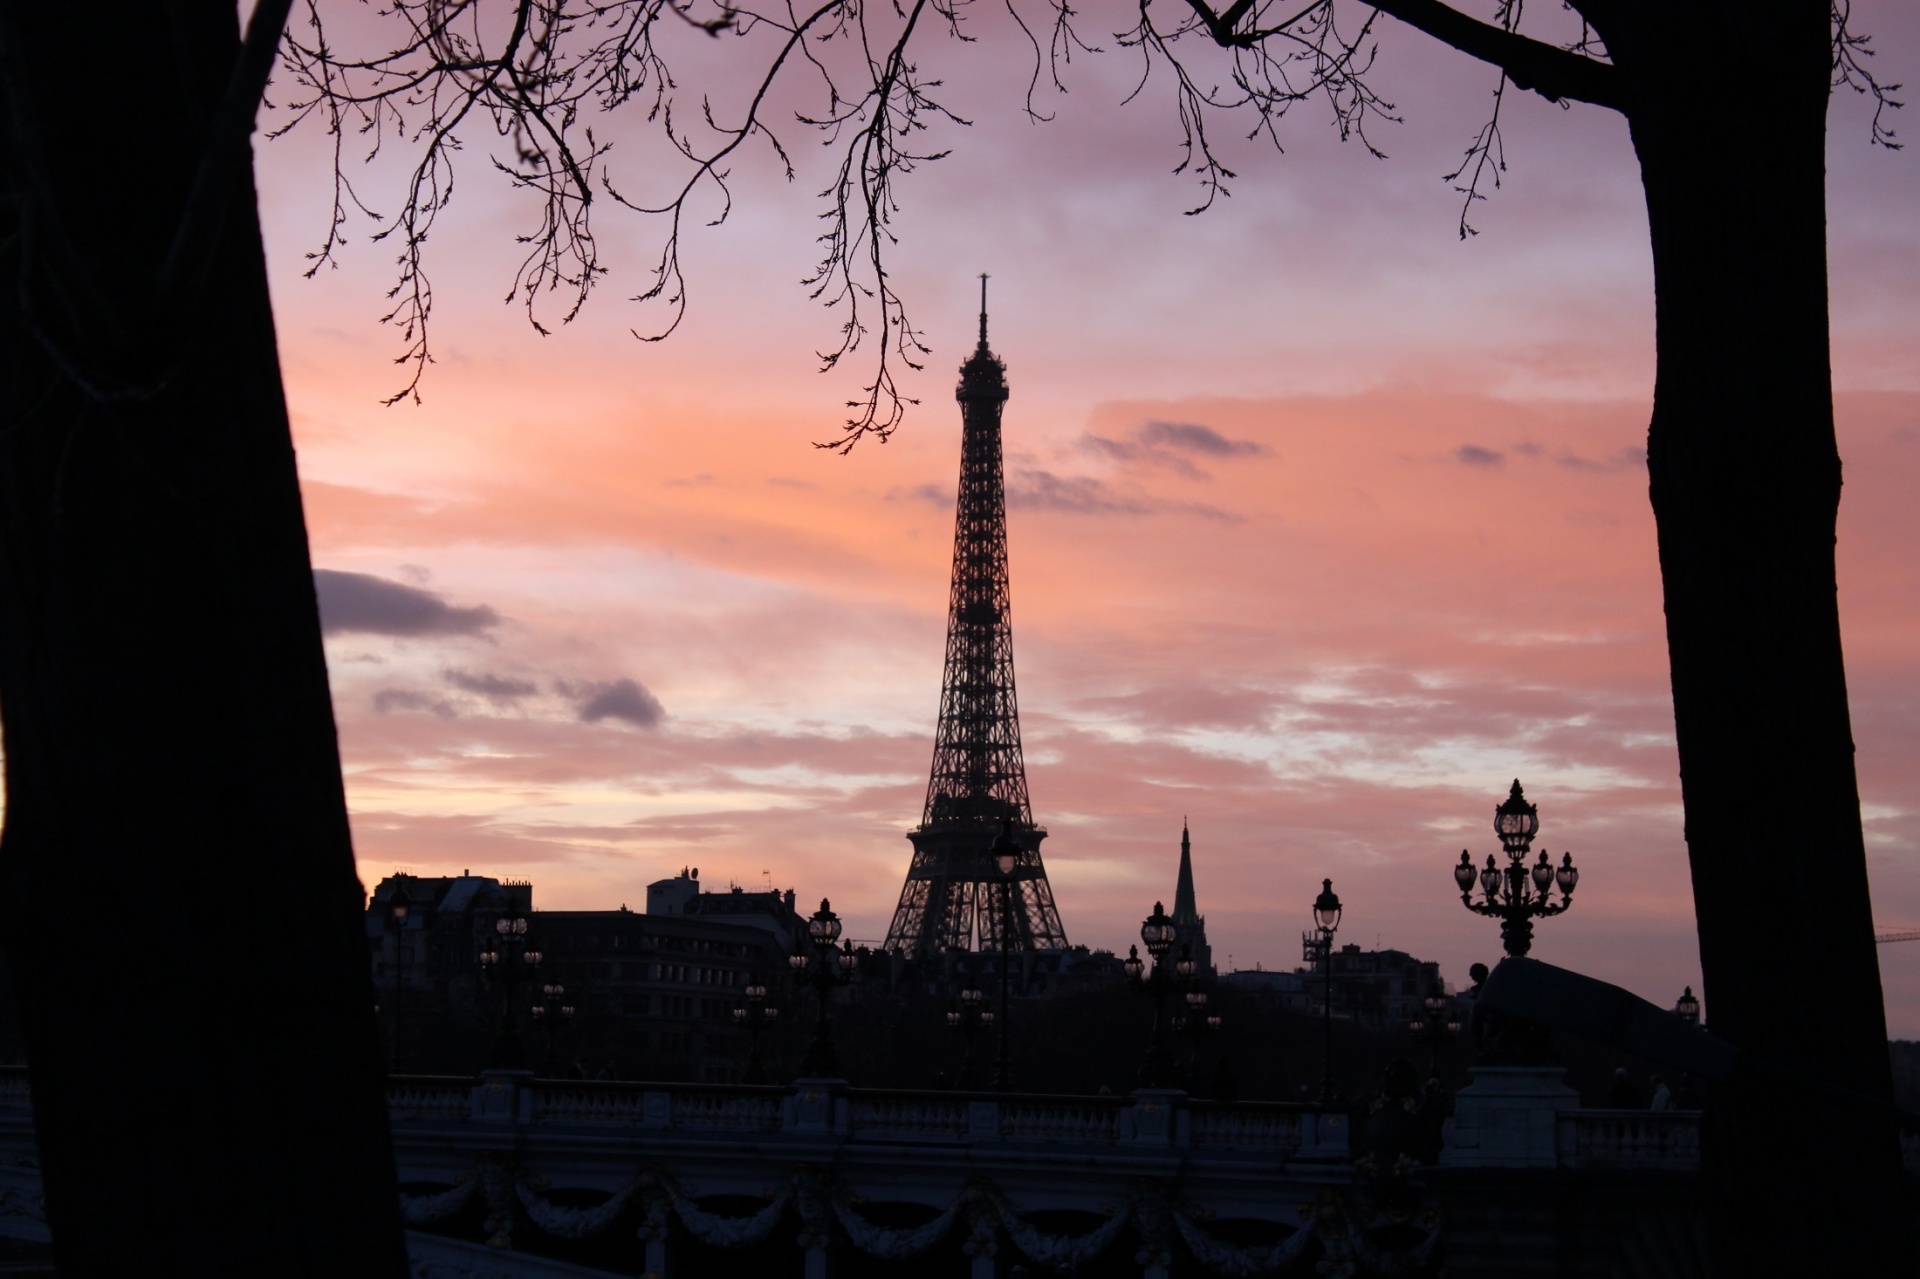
979	781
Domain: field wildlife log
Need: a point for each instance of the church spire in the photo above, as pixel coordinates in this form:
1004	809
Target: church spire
1189	925
1185	910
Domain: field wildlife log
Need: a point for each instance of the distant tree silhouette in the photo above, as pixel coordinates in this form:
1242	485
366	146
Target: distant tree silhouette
182	918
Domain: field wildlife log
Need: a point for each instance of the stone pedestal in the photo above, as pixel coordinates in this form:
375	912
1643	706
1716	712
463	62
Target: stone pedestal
1154	1118
1325	1134
811	1107
1508	1117
503	1097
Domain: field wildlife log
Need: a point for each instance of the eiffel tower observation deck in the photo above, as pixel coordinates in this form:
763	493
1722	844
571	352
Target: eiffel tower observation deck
979	784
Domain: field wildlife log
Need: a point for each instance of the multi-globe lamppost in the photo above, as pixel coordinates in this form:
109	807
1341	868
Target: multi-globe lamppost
554	1014
824	966
968	1020
1156	933
754	1012
1435	1025
1196	1023
510	959
1319	944
1516	894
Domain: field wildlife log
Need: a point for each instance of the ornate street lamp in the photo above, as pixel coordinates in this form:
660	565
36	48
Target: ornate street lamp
753	1012
1196	1023
968	1020
1326	920
1435	1025
399	907
1516	894
554	1013
825	967
1006	857
1157	933
510	959
1687	1007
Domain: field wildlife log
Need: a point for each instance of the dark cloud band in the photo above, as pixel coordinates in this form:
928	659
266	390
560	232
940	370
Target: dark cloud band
360	603
622	699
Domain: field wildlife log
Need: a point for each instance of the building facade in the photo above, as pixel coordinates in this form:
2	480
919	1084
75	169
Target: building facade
652	994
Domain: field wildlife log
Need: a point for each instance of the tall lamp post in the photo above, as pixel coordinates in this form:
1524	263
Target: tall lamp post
1006	856
399	906
1196	1023
509	960
1435	1025
825	967
753	1012
1156	933
1326	919
1516	894
969	1019
554	1013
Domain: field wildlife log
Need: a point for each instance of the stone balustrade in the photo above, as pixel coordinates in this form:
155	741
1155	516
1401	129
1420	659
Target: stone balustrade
423	1096
1150	1118
1635	1139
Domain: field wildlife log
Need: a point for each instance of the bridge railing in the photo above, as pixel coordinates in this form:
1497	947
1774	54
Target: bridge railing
830	1109
1271	1127
1636	1139
425	1096
1591	1139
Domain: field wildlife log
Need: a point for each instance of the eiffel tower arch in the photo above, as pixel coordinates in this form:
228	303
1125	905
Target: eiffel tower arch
979	780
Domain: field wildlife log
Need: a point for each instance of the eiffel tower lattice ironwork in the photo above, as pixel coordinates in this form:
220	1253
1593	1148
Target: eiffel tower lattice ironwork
979	783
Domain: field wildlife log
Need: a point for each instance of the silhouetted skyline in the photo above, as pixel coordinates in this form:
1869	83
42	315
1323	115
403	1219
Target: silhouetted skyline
1329	629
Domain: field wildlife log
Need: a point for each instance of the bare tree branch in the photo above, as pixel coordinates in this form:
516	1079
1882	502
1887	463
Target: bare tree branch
1850	54
536	73
1554	73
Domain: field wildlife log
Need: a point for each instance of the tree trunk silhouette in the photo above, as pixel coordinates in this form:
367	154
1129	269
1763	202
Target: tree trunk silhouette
182	914
1728	116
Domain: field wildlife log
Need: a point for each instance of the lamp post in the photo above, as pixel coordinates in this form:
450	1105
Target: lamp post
554	1013
509	959
1434	1024
1687	1007
825	966
969	1019
399	906
1196	1023
1156	933
753	1012
1516	894
1326	920
1006	857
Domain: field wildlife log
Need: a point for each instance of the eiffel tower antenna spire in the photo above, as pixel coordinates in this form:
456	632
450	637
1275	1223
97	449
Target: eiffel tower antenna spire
977	790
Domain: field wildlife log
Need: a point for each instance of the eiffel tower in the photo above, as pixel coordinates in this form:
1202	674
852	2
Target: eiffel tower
979	783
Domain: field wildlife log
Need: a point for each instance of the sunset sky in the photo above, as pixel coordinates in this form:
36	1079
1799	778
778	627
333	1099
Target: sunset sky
599	610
